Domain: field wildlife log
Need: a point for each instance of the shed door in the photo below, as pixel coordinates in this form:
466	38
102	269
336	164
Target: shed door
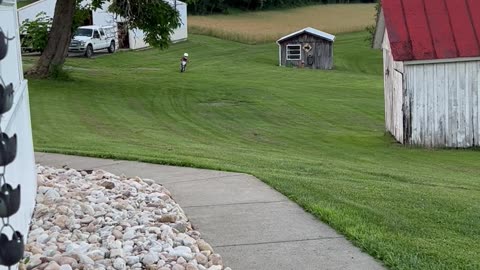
309	54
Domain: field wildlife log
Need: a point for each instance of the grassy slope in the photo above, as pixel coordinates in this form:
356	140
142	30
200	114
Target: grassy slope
316	136
24	3
268	26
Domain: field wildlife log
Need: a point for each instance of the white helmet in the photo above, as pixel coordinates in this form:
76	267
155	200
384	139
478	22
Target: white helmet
185	54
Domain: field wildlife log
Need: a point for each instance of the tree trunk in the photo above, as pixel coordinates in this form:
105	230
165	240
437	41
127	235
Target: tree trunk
54	55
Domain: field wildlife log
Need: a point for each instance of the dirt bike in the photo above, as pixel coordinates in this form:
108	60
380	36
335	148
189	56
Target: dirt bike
183	66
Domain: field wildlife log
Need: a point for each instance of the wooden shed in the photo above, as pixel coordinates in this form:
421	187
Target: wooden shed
308	48
431	52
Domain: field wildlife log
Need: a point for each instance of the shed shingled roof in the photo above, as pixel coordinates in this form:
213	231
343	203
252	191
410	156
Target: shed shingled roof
432	29
311	31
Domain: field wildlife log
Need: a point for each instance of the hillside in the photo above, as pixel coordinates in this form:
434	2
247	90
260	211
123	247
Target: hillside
316	136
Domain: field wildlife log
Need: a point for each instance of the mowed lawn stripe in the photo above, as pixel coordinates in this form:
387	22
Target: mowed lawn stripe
316	136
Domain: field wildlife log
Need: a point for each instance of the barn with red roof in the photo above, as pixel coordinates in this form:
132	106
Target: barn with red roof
431	51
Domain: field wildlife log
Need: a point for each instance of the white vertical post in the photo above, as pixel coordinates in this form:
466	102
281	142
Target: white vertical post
279	55
17	121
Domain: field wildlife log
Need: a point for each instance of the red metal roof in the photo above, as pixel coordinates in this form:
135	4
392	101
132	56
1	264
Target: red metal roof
432	29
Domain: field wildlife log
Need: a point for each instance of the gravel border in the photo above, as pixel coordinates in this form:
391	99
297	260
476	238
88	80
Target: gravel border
95	220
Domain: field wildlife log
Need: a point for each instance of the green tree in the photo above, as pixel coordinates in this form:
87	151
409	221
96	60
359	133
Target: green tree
157	18
35	32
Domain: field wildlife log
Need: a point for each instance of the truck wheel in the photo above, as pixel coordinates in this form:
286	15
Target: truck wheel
89	52
111	49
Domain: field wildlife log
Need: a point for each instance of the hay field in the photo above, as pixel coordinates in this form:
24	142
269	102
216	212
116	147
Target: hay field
268	26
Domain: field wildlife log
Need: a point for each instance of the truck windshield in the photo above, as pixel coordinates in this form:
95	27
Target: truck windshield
81	32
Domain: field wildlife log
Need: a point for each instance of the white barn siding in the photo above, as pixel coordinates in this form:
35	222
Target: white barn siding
135	39
102	17
17	121
136	36
444	101
181	33
393	92
30	12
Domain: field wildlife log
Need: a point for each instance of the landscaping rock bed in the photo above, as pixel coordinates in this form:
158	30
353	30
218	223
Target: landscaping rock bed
97	220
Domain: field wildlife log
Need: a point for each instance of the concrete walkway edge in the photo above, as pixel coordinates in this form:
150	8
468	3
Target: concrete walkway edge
251	225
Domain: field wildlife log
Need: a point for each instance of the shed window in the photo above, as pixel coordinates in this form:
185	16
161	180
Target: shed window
294	52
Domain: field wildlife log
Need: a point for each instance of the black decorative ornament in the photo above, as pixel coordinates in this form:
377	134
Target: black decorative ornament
11	251
6	98
4	44
9	200
8	149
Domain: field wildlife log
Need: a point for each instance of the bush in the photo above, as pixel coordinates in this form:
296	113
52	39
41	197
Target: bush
35	33
372	28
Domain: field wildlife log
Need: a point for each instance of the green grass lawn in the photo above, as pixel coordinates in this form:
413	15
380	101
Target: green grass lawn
316	136
25	3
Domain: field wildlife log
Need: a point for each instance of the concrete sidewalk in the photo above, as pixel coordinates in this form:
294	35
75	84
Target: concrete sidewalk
251	225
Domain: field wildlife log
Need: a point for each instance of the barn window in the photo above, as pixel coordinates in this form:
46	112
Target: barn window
294	52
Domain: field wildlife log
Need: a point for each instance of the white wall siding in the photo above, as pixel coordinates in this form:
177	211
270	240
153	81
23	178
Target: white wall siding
102	17
136	39
17	121
393	93
136	36
444	100
181	33
30	12
432	103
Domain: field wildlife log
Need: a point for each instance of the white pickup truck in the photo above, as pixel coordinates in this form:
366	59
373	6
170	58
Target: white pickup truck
88	39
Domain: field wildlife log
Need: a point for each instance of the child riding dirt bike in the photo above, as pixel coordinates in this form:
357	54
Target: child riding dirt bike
183	62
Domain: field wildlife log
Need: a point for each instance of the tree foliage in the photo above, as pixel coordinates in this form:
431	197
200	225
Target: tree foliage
371	29
82	12
35	32
225	6
156	18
